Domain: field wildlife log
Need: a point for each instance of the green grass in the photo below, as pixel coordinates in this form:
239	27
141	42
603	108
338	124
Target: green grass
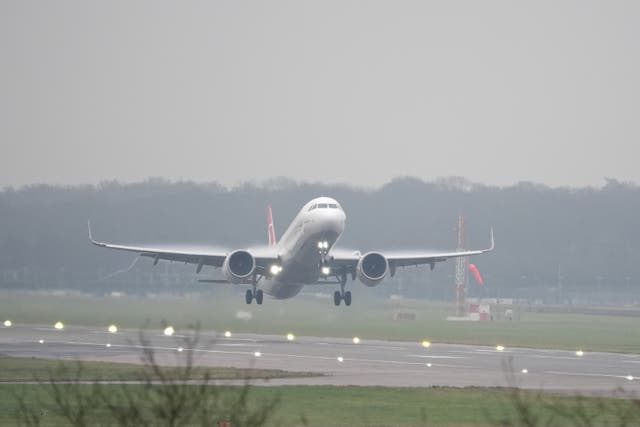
366	318
28	369
368	406
300	405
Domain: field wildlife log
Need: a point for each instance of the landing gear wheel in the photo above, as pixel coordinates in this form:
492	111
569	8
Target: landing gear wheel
248	296
347	298
337	298
259	296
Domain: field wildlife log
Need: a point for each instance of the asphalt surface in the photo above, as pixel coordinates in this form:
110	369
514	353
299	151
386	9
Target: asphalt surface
341	361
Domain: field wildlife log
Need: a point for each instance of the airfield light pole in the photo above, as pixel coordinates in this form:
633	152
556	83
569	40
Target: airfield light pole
461	271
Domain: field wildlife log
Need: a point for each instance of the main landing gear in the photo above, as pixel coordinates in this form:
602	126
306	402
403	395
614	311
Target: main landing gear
251	295
341	295
254	293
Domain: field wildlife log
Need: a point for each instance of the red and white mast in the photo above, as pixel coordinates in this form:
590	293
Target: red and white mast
461	271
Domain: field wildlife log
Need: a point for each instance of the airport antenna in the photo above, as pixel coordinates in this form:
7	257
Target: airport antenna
461	271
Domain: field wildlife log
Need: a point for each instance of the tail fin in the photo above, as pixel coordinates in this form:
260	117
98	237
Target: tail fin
272	230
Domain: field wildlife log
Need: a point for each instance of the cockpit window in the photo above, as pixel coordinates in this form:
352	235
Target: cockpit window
324	206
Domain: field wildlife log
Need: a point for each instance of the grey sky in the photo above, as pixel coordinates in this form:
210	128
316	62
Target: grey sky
334	91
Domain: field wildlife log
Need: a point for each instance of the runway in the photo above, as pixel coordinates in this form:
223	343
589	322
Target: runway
340	361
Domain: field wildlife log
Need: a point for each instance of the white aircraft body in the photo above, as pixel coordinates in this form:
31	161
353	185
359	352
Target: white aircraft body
304	255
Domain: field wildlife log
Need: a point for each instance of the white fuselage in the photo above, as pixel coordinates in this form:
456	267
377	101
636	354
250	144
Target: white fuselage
320	220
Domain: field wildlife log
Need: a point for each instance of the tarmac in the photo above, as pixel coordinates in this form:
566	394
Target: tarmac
340	361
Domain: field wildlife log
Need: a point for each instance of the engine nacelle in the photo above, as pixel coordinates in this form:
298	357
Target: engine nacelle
238	266
372	268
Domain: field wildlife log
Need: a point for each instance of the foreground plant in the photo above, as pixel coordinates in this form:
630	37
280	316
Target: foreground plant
159	396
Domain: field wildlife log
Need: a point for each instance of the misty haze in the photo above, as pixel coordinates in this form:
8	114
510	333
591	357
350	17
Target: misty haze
319	213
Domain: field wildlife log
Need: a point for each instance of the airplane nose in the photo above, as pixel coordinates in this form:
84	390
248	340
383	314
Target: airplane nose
333	220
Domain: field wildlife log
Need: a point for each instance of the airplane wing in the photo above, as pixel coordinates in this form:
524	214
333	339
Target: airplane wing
348	261
188	255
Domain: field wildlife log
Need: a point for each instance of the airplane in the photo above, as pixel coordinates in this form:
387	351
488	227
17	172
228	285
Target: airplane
304	255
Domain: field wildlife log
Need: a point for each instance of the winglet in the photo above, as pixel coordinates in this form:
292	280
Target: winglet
493	243
91	236
271	227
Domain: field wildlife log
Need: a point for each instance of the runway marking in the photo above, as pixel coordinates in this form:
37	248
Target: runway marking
237	345
350	344
436	357
444	365
540	356
247	353
479	352
584	374
384	347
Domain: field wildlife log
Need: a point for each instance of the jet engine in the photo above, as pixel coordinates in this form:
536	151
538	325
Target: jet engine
372	268
238	266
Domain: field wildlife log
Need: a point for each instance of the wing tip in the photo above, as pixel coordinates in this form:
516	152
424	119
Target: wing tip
493	242
94	242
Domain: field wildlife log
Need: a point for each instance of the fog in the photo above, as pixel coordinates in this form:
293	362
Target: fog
557	245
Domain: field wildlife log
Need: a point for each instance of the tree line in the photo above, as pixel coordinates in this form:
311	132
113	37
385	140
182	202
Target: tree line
549	241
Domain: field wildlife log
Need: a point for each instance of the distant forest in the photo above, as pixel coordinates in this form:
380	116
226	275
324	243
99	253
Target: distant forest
555	244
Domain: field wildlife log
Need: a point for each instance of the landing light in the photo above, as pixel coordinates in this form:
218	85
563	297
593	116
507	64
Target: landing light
325	270
275	269
113	329
59	326
168	331
7	323
426	344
